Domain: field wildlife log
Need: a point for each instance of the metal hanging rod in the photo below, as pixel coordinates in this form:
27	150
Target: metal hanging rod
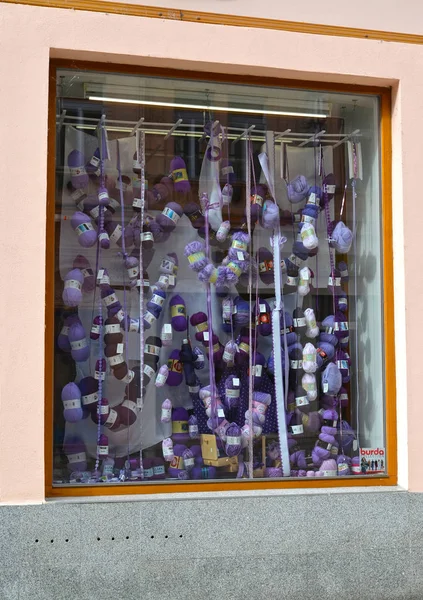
233	133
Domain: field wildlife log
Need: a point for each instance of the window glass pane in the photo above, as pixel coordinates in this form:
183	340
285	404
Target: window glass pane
199	219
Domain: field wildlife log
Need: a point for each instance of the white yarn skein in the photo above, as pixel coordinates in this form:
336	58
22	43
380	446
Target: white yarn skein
303	281
308	382
309	237
312	330
309	358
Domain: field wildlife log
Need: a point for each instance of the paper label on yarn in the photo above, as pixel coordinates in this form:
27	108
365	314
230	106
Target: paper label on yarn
344	273
149	317
102	450
94	212
238	245
313	199
76	403
133	272
220	413
157	300
115	360
111	419
302	400
120	315
137	203
100	274
83	228
334	451
87	272
149	371
90	399
199	359
232	393
146	236
240	255
343	397
95	329
171	280
307	219
258	370
329	189
130	406
206	336
296	364
309	387
325	387
305	274
295	260
166	335
235	381
372	460
158	470
193	430
134	325
128	377
171	214
334	281
262	308
77	194
103	409
167	452
100	375
166	266
228	356
117	233
307	232
345	340
342	364
342	468
300	322
189	462
341	325
309	358
74	458
233	440
79	344
73	283
113	328
297	429
110	299
160	379
152	349
292	281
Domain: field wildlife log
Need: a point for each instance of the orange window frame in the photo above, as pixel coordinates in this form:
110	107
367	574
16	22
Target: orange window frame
391	477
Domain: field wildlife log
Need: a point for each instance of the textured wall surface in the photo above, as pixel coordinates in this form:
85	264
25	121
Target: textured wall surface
331	545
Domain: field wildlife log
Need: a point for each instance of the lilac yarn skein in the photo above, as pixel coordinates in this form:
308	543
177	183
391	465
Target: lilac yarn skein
83	227
72	291
80	349
233	440
169	217
71	398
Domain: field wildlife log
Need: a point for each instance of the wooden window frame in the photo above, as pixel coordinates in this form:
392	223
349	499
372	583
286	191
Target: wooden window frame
390	479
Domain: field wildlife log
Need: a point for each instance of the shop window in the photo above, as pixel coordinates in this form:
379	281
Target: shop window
218	277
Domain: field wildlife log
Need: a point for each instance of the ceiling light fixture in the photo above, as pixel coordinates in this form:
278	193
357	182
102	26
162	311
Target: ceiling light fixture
229	109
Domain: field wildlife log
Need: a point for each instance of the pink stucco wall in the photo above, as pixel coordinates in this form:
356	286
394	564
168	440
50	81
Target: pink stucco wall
28	37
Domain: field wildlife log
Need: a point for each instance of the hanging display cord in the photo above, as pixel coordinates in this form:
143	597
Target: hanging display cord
124	257
213	403
332	267
250	333
277	242
354	200
100	304
140	400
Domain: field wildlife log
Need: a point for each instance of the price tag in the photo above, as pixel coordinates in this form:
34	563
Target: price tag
262	308
235	381
119	348
100	274
206	336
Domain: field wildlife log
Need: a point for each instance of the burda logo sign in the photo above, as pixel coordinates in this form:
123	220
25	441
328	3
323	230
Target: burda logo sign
379	452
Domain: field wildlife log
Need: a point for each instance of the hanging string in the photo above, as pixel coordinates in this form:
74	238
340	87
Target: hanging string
354	200
124	257
250	333
100	304
141	158
213	403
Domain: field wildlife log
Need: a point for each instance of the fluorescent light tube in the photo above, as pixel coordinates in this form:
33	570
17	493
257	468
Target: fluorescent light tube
230	109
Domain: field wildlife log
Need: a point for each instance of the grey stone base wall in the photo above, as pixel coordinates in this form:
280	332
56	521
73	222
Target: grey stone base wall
366	545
